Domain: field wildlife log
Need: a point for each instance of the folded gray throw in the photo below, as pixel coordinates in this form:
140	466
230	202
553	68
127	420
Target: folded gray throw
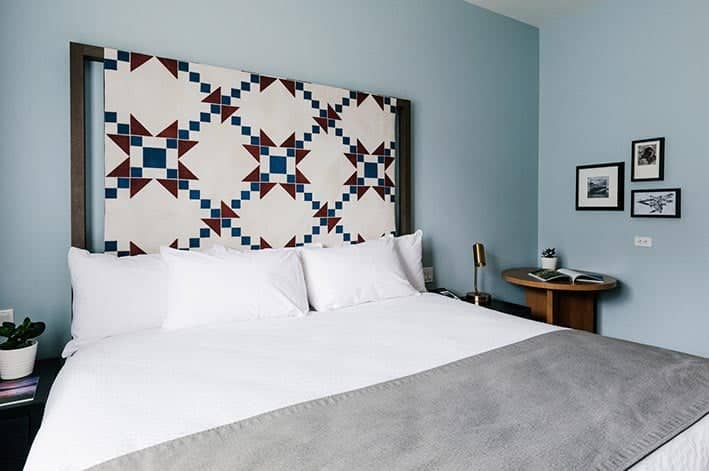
561	401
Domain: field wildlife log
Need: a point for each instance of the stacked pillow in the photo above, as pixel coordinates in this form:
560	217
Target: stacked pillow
354	274
409	249
114	295
232	286
178	289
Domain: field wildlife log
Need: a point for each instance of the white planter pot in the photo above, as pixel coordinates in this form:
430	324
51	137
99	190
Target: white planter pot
549	263
18	363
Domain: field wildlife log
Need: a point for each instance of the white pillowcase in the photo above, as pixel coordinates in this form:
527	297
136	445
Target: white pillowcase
115	295
232	286
218	249
409	249
354	274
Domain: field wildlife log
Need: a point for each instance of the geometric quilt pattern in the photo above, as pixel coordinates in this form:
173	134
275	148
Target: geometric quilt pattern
198	155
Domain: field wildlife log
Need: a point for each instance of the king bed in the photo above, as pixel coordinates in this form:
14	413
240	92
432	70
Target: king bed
134	391
260	303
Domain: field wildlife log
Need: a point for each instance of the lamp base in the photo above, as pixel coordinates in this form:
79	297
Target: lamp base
481	299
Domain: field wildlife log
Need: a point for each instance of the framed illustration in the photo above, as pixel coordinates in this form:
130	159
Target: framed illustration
600	187
661	203
648	160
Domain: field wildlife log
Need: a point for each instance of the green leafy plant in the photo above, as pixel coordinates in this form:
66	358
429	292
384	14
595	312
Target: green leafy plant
549	253
20	336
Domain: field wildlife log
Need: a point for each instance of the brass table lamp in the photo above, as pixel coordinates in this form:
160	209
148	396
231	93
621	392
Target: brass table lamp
481	299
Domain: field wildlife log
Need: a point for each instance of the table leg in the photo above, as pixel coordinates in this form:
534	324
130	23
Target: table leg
537	302
550	307
564	308
577	310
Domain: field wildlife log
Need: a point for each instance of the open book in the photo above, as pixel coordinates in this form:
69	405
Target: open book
566	274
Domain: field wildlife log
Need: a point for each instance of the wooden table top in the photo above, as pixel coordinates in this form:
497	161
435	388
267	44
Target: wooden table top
519	276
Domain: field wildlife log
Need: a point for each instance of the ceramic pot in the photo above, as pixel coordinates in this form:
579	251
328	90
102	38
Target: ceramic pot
549	263
18	363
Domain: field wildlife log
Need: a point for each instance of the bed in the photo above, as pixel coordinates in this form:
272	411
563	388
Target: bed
170	367
137	390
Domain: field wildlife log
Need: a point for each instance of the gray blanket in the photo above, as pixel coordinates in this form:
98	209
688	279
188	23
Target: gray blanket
562	401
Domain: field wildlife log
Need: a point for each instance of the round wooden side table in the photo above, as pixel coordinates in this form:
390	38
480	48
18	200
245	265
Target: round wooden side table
560	302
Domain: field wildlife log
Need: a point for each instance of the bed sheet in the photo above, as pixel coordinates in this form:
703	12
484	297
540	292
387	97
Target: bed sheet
133	391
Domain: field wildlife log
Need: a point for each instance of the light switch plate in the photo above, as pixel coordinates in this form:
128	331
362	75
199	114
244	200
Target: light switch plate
428	274
7	315
643	241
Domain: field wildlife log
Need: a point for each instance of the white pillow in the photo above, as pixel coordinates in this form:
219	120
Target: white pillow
218	249
115	295
232	286
354	274
408	247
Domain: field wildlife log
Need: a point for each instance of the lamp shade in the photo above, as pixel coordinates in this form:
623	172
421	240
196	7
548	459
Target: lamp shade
479	254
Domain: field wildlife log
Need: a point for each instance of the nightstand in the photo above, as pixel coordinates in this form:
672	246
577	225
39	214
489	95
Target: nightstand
495	304
19	422
507	308
560	302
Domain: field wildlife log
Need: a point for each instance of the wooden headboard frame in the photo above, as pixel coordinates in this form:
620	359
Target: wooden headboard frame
80	54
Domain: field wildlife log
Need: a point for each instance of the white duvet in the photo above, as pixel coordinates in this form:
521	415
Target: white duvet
133	391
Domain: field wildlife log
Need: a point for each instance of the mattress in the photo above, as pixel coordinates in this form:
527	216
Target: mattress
133	391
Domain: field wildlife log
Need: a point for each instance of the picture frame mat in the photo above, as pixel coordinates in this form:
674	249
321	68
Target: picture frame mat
654	172
616	186
643	211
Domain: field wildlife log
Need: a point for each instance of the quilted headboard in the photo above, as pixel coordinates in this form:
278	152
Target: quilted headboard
197	155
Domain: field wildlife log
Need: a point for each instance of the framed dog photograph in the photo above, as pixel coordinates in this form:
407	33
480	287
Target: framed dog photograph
663	203
600	187
648	158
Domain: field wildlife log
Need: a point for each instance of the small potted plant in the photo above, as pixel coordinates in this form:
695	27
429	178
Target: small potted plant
549	259
19	350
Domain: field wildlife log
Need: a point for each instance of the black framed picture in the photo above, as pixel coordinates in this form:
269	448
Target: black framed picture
648	159
600	187
660	203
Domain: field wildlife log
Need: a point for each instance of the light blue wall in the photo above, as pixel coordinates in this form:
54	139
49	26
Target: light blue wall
613	73
472	76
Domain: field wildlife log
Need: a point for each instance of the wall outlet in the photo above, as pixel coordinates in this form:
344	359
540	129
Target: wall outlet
428	274
643	241
7	315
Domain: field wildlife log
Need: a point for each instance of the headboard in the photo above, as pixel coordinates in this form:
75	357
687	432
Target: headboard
197	155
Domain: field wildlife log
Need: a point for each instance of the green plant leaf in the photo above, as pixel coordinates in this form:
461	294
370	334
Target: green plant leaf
6	331
19	336
35	329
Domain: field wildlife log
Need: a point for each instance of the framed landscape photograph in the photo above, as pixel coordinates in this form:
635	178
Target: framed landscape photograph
663	203
648	159
600	187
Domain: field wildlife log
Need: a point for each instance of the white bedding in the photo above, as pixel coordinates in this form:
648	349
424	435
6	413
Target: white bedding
132	391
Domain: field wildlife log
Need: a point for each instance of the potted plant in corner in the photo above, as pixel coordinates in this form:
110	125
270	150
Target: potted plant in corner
549	259
19	350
